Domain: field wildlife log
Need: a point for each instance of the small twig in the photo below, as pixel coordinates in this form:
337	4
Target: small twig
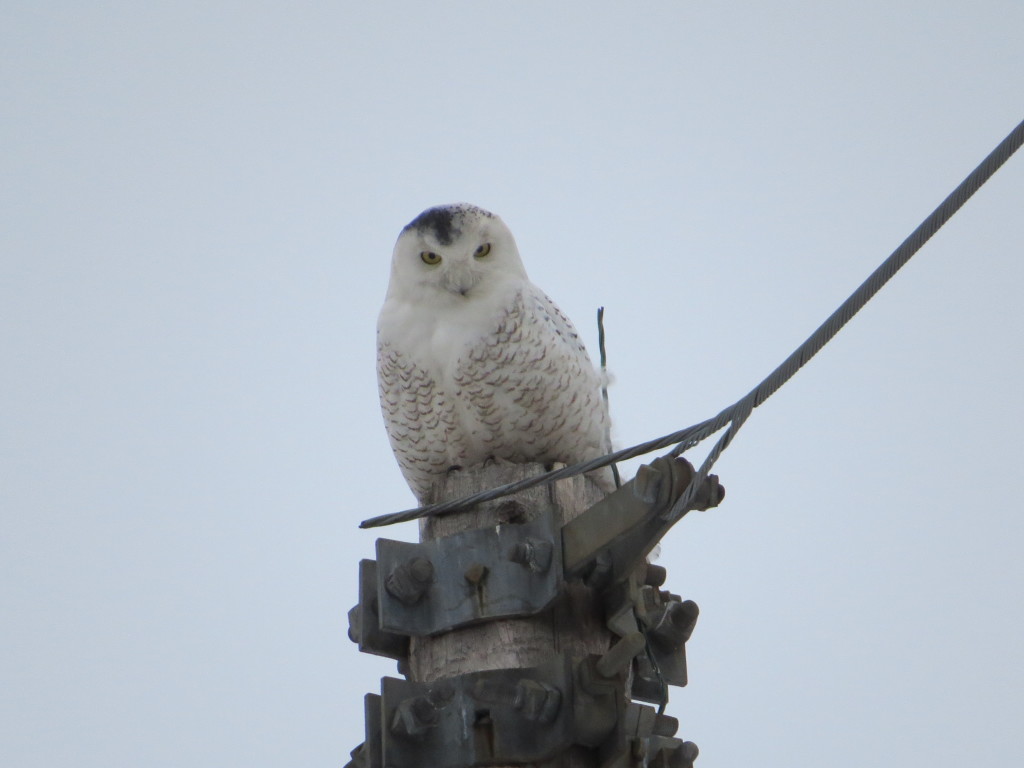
604	390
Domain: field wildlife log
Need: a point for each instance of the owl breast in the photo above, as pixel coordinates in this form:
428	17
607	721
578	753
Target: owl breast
520	388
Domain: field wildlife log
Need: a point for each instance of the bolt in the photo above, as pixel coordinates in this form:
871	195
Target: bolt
647	484
535	554
414	717
665	725
476	573
674	624
620	655
512	512
409	581
536	701
655	575
441	694
421	569
671	754
355	628
710	494
418	714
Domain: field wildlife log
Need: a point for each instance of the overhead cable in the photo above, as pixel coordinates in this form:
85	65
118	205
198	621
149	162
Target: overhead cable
736	414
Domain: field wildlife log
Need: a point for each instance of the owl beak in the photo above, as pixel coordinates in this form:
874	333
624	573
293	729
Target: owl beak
460	281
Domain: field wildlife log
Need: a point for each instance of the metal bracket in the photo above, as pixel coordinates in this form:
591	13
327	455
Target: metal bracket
516	716
483	718
610	540
532	715
644	739
641	738
368	754
364	620
511	716
666	622
477	575
661	752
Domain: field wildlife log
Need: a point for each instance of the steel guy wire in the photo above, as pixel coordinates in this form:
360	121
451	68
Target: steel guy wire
736	414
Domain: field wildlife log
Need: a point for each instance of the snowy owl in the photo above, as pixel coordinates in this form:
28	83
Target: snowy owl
476	363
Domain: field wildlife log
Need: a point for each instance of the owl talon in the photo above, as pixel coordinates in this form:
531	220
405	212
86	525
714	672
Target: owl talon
453	469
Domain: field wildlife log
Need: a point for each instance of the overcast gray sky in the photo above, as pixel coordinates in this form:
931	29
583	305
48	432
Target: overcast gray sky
199	202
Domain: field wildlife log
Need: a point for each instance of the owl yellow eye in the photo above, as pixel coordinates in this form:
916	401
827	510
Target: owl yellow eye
431	258
482	251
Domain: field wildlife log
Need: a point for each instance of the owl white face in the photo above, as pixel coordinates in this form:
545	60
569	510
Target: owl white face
456	252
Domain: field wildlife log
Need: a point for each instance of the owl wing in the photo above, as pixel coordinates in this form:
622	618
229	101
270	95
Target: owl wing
530	390
419	417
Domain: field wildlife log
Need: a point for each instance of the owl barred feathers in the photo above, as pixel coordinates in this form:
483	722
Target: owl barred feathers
476	363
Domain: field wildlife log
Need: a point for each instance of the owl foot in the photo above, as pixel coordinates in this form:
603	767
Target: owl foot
496	461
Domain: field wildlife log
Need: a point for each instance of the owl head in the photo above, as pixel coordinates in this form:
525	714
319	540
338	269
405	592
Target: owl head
456	252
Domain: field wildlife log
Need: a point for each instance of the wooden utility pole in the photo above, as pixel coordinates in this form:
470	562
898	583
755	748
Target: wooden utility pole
573	625
528	627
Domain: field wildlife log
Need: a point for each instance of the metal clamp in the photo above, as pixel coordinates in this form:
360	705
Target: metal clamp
482	718
610	540
513	716
666	622
369	754
477	575
364	620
